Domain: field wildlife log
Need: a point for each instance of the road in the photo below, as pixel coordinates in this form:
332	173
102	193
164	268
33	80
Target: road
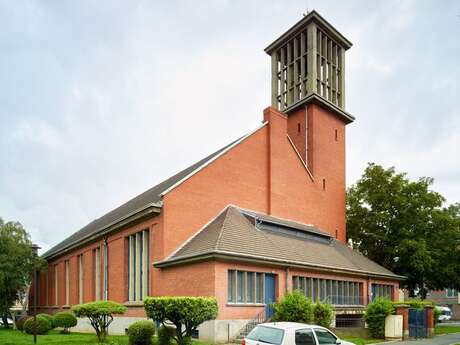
448	339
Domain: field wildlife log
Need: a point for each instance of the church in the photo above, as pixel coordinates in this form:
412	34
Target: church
260	217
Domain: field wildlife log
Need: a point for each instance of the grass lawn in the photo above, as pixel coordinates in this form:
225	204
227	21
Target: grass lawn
443	329
362	341
12	337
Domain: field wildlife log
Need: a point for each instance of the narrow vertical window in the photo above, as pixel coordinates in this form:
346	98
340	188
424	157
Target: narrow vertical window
298	128
80	278
250	287
56	285
239	287
138	265
231	286
47	289
97	273
336	135
324	184
67	281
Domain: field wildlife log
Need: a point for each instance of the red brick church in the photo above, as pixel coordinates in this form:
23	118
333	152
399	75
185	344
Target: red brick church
259	217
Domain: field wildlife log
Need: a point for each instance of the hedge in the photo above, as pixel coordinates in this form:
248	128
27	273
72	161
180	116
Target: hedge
375	315
65	320
43	325
141	333
323	313
186	313
49	317
294	307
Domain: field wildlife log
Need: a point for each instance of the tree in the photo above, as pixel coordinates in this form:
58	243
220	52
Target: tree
186	313
100	315
17	263
403	226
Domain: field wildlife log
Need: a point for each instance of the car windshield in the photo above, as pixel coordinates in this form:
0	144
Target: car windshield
267	335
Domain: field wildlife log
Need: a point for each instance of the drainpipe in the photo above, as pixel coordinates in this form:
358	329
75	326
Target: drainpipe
106	270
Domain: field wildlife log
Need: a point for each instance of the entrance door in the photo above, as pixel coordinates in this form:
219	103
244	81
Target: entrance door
269	294
417	323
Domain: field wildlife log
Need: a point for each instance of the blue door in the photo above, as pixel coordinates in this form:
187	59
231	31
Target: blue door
269	294
417	323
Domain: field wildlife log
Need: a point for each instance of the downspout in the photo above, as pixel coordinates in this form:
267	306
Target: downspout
106	270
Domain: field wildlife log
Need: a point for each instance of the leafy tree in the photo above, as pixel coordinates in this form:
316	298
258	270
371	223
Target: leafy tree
17	263
100	315
186	313
403	226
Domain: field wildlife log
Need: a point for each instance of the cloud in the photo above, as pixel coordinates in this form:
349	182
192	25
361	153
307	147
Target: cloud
101	100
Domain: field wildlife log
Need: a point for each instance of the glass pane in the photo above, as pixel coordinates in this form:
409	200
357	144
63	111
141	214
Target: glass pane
304	337
239	284
260	288
250	287
325	337
340	293
267	335
231	286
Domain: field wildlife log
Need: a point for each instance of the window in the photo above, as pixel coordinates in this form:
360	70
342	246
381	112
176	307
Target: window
67	281
138	265
56	285
267	335
97	273
80	278
336	135
245	287
325	337
382	291
337	292
304	337
451	293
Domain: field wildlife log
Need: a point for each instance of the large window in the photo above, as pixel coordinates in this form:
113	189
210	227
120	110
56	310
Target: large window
245	287
451	293
338	292
80	278
382	291
138	265
97	273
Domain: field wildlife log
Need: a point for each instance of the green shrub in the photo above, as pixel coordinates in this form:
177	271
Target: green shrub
323	314
437	313
186	313
43	325
65	320
49	317
141	332
415	303
375	315
20	323
293	307
100	315
165	335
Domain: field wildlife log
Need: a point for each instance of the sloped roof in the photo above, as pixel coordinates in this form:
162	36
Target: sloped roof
240	233
151	197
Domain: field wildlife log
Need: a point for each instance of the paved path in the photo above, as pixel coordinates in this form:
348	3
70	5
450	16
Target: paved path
447	339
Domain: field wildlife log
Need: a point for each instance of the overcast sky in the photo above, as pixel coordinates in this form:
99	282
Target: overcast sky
100	100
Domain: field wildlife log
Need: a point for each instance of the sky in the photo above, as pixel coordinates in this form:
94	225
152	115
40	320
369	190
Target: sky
100	100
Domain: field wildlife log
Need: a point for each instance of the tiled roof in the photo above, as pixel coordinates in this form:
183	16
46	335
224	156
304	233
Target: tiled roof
248	234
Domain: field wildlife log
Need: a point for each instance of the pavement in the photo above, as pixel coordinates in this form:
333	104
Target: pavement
447	339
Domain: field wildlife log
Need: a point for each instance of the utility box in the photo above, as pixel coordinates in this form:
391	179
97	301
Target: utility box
394	327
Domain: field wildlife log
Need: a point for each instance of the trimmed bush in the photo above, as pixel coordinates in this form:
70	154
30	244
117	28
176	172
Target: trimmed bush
186	313
65	320
141	333
166	335
100	315
375	315
294	307
323	314
49	317
43	325
20	323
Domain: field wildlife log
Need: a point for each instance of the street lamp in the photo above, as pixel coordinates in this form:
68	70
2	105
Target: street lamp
35	249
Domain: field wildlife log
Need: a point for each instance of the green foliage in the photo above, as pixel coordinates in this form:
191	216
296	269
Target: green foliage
141	333
293	307
186	313
437	313
166	335
65	320
17	262
323	313
416	303
20	323
49	317
42	325
100	315
404	226
375	315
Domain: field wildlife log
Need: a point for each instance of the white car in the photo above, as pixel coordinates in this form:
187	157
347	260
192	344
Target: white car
291	333
445	313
